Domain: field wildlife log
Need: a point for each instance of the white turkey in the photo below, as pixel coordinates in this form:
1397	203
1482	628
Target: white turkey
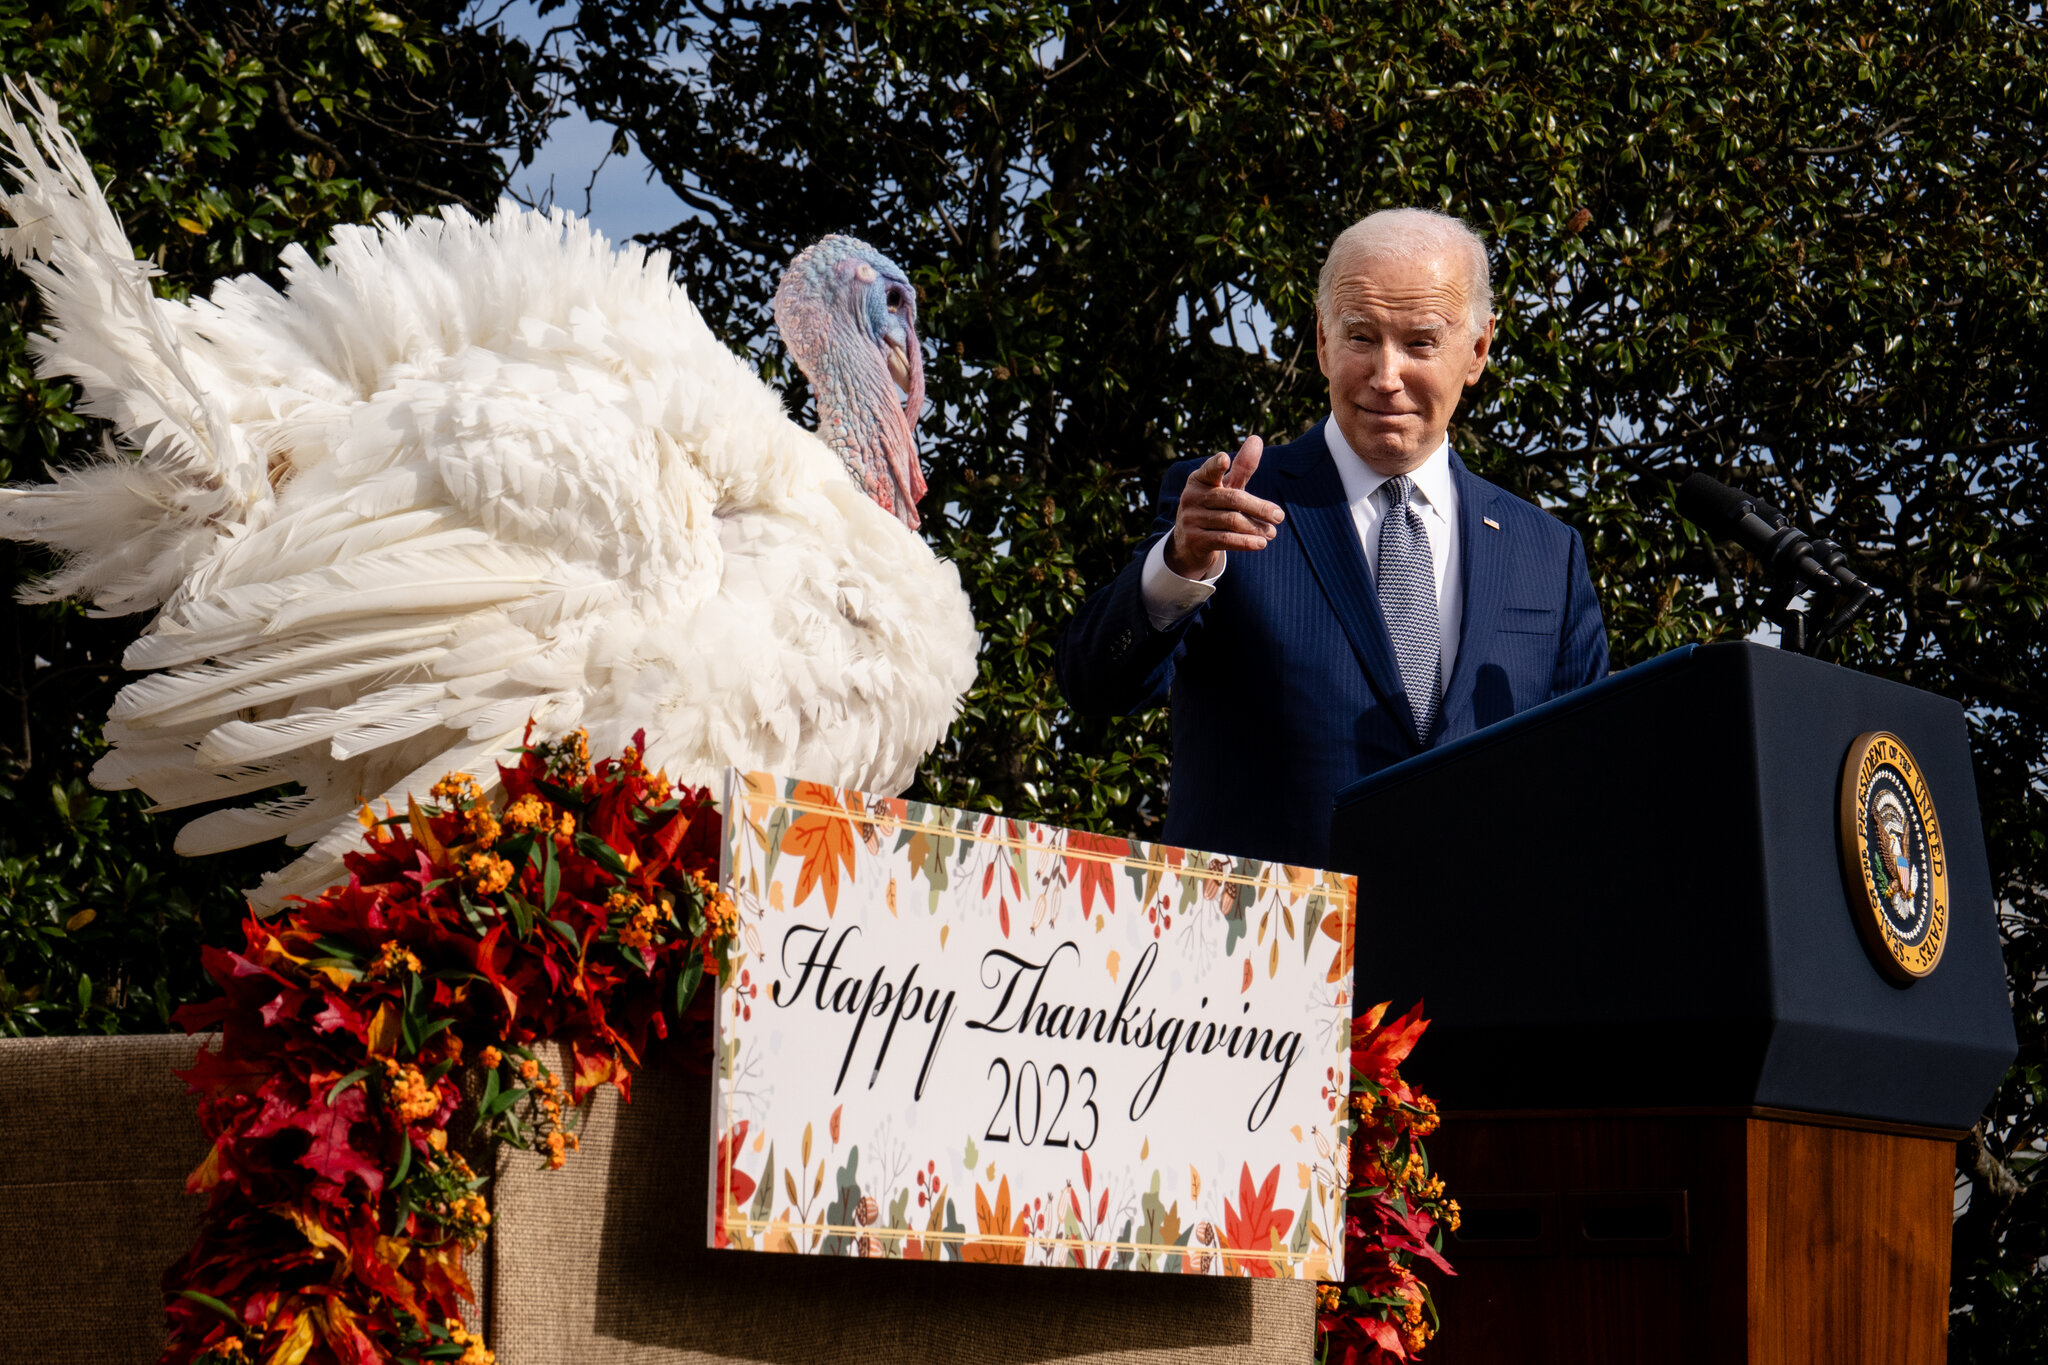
465	473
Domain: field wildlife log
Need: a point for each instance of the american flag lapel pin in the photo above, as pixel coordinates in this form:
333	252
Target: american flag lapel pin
1491	522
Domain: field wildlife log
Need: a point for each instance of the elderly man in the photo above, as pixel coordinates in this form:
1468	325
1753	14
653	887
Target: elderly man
1354	597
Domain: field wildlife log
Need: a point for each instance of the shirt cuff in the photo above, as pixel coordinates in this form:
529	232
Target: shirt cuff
1167	596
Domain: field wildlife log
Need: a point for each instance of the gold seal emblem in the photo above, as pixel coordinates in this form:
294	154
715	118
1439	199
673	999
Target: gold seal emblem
1893	865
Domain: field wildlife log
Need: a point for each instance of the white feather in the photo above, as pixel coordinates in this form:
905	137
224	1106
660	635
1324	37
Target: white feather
248	741
459	475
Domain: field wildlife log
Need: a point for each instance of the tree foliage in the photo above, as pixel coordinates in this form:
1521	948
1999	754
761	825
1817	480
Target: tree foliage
227	128
1798	244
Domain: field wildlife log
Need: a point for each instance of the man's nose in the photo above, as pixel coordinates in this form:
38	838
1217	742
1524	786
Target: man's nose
1386	369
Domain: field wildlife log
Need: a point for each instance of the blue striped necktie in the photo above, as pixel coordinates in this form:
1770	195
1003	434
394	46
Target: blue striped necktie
1407	592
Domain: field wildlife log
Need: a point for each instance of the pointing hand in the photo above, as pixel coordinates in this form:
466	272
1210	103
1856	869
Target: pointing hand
1217	516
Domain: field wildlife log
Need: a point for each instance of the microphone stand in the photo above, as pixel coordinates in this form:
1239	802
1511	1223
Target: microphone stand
1791	560
1790	620
1793	634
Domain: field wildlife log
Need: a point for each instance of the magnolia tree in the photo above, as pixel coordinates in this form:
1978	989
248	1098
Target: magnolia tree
1796	244
225	128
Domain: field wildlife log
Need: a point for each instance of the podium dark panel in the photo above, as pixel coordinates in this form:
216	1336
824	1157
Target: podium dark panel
1632	898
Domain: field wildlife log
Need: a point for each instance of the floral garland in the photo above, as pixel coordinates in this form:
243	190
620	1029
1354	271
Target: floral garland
1382	1312
341	1205
582	912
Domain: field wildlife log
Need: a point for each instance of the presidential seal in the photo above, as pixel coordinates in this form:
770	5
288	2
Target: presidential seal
1893	865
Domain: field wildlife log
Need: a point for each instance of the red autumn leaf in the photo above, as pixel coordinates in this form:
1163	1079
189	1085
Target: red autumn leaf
331	1156
338	1014
1385	1337
1410	1231
735	1186
284	1005
1094	875
216	1073
1255	1225
1087	1172
594	1067
668	839
346	1339
1003	910
834	1125
823	841
1377	1050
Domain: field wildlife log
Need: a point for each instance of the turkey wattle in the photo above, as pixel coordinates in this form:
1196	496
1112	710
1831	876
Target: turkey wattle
465	473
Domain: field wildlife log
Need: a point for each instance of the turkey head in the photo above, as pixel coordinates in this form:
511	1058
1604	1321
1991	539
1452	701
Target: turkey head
848	315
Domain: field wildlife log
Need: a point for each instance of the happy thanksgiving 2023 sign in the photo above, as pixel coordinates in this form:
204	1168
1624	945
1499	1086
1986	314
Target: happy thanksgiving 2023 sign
951	1036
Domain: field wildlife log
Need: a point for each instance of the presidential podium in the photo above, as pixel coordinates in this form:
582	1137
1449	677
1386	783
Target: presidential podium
1712	998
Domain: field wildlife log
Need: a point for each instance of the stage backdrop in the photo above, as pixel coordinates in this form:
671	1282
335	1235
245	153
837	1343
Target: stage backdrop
951	1036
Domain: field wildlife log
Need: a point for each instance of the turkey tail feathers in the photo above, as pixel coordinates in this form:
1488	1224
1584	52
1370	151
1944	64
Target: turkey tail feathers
130	526
457	477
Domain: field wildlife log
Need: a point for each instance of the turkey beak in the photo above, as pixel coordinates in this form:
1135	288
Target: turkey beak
899	365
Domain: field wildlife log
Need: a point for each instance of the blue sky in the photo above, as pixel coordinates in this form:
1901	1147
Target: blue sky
625	199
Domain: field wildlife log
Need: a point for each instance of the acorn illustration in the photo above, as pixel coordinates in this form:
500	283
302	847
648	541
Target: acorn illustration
866	1211
1202	1247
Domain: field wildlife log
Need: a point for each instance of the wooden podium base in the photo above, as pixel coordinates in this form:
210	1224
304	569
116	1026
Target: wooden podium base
1708	1237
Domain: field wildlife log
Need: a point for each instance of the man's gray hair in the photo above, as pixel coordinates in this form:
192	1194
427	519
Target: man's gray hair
1409	235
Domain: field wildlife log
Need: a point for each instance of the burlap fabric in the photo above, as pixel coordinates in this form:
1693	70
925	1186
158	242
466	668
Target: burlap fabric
604	1261
99	1137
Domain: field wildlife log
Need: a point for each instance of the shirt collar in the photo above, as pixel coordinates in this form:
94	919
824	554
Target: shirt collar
1432	477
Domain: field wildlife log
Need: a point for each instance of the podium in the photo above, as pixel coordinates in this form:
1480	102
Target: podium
1694	1111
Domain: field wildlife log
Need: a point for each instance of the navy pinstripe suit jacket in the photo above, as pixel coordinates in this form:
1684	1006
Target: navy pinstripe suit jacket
1284	684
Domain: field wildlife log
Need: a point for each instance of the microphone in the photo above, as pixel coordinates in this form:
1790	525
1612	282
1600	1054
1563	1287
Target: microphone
1785	551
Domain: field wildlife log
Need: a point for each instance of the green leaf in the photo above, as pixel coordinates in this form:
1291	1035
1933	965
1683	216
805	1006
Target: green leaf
209	1301
601	853
686	982
334	1091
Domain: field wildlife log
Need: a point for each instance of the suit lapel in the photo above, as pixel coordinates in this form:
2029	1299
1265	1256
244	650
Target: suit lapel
1314	497
1484	550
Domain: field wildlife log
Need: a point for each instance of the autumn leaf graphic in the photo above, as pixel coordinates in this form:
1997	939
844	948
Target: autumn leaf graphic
822	841
1339	924
996	1222
1094	875
738	1185
1255	1225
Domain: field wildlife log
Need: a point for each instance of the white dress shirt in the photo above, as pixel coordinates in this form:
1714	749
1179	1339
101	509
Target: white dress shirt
1168	597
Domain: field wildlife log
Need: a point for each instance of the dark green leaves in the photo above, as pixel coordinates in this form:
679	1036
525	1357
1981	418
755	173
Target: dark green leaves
392	106
1798	244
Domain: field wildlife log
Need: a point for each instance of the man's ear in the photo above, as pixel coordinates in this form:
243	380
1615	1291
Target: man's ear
1482	347
1322	345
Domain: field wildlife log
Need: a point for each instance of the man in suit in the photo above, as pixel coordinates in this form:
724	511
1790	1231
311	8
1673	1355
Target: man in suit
1355	597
